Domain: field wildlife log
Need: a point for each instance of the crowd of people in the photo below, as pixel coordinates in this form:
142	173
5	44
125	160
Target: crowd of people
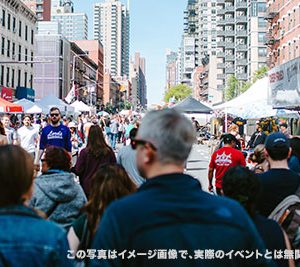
70	196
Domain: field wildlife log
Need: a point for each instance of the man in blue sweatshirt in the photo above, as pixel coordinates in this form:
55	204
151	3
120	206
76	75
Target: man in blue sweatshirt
55	134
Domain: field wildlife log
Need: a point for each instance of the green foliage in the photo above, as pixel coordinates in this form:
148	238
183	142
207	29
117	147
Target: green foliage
231	89
180	92
260	73
244	87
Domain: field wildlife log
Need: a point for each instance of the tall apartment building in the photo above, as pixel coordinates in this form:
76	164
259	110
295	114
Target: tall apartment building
74	25
53	77
17	27
138	81
111	27
42	8
171	69
189	46
207	34
283	35
241	39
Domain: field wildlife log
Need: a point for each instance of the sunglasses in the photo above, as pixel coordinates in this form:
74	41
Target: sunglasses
54	114
136	142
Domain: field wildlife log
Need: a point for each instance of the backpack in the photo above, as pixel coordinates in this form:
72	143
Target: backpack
287	214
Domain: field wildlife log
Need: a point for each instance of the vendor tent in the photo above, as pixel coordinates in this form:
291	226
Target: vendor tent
35	109
80	106
52	101
8	107
191	105
25	103
253	104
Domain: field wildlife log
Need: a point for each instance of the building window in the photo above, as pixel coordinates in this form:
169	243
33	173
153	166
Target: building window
25	79
12	78
26	55
261	7
14	24
3	46
8	48
7	76
31	59
13	50
19	77
8	21
261	37
262	23
20	28
32	36
20	53
2	75
262	52
3	18
31	81
26	33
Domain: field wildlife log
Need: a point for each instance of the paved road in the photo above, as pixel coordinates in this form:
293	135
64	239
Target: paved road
198	164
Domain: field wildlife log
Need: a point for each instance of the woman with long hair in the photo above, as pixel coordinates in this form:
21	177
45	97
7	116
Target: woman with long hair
96	153
3	138
110	182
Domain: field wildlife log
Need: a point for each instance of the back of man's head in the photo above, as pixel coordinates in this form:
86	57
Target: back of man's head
277	146
171	133
229	139
132	133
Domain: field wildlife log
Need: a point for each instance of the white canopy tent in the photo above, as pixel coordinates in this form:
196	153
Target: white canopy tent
80	106
52	101
25	103
253	104
35	109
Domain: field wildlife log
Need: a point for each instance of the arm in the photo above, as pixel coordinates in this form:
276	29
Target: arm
68	142
210	178
80	164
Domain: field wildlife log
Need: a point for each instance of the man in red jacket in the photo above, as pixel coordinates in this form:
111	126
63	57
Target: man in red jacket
222	160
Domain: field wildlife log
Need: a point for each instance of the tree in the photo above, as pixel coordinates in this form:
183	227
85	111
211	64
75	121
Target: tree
231	90
260	73
179	92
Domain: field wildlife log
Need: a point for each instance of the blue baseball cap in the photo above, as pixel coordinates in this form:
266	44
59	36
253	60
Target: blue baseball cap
275	140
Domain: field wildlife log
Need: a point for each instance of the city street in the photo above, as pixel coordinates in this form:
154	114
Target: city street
198	164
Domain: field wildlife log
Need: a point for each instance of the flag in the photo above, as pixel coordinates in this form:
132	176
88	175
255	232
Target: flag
70	95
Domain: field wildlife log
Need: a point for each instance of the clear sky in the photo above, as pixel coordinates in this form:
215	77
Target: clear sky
155	26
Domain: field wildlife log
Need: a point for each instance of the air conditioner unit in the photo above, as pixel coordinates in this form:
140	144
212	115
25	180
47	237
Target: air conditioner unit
14	30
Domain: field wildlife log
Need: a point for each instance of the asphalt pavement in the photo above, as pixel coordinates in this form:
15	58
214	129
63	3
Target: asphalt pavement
197	165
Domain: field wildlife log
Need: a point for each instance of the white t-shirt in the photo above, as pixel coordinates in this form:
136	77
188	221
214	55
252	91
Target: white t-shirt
28	137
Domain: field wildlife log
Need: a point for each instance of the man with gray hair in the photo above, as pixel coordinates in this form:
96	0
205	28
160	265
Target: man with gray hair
170	218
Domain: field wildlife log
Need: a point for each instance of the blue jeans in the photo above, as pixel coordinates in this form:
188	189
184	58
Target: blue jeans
113	140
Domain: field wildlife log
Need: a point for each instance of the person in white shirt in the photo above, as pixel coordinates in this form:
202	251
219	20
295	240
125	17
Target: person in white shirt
28	136
9	131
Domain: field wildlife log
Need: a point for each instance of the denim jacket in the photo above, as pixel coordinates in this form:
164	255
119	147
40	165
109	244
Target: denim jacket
28	240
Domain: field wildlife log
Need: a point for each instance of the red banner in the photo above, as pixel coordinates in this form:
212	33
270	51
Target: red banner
7	93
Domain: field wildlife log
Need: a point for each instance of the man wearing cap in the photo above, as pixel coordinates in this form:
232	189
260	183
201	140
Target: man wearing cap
222	160
257	138
279	182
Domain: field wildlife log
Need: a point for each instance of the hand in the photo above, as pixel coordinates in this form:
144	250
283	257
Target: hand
210	188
